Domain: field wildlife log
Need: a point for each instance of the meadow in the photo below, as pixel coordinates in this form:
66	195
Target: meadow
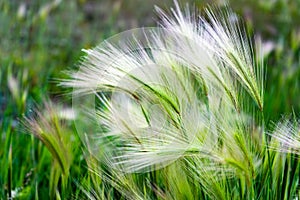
42	156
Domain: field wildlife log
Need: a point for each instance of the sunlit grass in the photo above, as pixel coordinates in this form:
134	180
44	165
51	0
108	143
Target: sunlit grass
236	154
212	138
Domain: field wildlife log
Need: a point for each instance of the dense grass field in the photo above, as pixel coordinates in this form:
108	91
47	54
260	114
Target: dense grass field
43	157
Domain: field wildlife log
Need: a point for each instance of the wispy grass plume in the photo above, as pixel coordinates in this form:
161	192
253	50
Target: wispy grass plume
47	125
172	105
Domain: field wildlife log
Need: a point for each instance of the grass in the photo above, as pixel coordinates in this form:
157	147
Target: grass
57	164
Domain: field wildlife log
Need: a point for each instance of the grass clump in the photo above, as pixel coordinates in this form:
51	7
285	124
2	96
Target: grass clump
157	119
181	111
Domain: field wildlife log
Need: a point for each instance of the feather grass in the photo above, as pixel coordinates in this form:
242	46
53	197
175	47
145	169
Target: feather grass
176	106
48	127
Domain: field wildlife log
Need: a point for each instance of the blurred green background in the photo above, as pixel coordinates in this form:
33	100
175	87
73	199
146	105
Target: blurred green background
41	39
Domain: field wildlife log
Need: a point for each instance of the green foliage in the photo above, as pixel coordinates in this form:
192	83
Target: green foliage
41	39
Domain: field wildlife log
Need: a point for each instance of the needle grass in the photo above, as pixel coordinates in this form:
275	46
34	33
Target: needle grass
174	116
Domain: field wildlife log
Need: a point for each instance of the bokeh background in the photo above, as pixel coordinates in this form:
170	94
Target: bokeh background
40	39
